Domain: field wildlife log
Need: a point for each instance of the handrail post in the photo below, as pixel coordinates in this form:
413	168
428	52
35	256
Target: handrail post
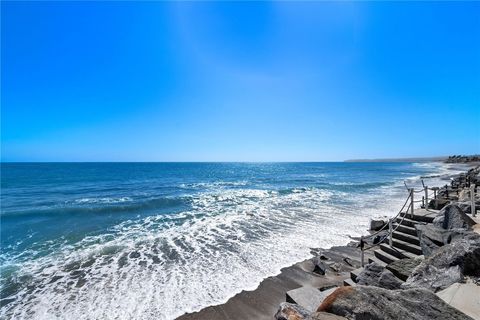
426	197
390	231
472	197
435	193
411	202
361	248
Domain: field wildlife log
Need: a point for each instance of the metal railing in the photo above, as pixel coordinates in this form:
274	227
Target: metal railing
390	226
411	204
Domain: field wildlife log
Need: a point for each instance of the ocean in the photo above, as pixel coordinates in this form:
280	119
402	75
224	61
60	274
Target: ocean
156	240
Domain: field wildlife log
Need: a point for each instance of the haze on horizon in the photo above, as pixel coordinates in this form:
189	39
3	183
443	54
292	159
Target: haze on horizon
239	81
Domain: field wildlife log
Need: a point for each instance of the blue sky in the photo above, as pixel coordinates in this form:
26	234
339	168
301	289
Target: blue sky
251	81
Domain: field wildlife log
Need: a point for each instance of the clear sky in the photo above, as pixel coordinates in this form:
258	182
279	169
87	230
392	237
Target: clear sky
251	81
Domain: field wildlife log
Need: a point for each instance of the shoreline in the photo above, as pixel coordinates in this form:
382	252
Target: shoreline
262	302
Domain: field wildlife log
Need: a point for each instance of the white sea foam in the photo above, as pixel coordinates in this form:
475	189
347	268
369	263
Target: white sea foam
443	172
105	200
214	184
160	267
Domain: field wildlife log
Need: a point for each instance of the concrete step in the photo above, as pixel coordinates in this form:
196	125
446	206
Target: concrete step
407	246
396	252
308	297
406	222
349	283
377	261
464	297
406	237
405	229
355	273
384	256
421	216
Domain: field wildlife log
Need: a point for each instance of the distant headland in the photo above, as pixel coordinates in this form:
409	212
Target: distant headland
447	159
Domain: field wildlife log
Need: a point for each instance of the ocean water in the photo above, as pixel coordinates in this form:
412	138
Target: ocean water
156	240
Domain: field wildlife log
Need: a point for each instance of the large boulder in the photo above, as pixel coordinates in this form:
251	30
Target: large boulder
431	237
377	223
291	311
439	235
437	204
438	221
448	264
451	223
373	303
454	218
376	275
434	278
403	268
319	266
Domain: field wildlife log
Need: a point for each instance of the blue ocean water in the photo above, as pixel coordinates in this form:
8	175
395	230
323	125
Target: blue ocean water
156	240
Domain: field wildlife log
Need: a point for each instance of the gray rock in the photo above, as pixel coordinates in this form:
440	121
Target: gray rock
323	257
308	297
434	278
448	265
466	206
337	267
437	204
428	246
432	237
438	221
375	303
456	234
324	316
468	254
350	262
291	311
376	275
389	281
455	218
377	223
319	266
403	268
432	232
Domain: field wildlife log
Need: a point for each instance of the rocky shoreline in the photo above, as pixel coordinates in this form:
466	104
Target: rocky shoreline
333	285
463	159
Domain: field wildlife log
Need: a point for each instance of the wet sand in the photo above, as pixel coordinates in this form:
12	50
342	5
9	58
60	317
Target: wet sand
262	303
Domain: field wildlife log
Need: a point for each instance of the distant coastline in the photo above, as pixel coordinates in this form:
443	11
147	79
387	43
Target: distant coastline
446	159
417	159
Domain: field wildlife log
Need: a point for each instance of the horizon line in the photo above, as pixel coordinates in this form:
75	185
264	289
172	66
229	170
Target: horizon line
410	159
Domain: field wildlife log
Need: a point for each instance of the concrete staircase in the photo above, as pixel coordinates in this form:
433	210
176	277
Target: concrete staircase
405	242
